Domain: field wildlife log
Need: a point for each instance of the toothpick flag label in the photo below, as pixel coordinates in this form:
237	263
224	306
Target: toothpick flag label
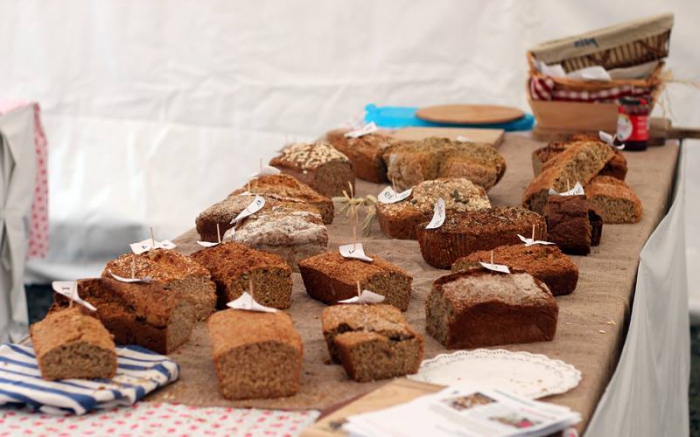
246	303
365	130
463	139
69	289
438	215
149	243
576	191
388	195
500	268
255	206
610	140
207	243
531	241
145	279
355	251
365	297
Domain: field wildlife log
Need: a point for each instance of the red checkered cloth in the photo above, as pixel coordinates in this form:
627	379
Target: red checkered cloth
544	88
39	222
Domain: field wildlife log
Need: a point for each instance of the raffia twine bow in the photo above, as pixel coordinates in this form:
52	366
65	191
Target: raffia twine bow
349	205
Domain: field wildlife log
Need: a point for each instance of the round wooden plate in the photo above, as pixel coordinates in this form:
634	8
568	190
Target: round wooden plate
469	114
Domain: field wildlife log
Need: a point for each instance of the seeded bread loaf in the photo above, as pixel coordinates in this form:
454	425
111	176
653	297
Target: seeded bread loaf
371	341
329	277
580	162
573	224
318	165
286	188
365	153
411	163
616	167
233	266
257	355
69	344
293	235
467	232
546	263
481	308
173	271
147	315
399	220
614	200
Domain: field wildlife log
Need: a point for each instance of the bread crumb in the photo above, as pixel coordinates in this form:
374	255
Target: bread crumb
602	331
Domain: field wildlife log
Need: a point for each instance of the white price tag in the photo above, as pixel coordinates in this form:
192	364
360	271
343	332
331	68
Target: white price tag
531	241
207	243
388	195
147	244
438	215
365	297
355	251
576	191
610	140
255	206
145	279
463	139
246	303
69	289
365	130
500	268
266	170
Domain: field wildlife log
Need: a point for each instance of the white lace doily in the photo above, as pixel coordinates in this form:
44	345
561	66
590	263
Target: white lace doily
522	373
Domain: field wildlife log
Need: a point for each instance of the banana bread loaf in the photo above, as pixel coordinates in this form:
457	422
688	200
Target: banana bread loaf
257	355
365	153
233	265
614	200
147	315
318	165
69	344
283	187
467	232
546	263
410	163
173	271
371	341
481	308
399	220
573	224
580	162
329	277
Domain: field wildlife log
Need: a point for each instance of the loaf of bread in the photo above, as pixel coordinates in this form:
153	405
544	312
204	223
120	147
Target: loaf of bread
329	277
233	266
399	220
546	263
580	162
71	345
411	163
573	224
481	308
172	270
467	232
148	315
614	200
371	341
285	188
365	153
292	234
318	165
616	167
257	355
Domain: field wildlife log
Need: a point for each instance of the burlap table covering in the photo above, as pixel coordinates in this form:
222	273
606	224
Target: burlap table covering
592	320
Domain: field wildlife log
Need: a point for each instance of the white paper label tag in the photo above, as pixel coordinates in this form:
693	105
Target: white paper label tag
355	251
365	297
207	243
576	191
388	195
266	170
69	289
246	303
463	139
147	244
255	206
365	130
438	215
145	279
500	268
531	242
610	140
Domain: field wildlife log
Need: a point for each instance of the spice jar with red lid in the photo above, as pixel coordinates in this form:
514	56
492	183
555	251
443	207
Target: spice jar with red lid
633	123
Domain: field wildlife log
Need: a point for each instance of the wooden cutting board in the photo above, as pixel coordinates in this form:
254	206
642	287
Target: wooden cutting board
469	114
488	136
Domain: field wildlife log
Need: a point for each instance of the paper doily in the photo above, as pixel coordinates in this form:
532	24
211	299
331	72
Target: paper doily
529	375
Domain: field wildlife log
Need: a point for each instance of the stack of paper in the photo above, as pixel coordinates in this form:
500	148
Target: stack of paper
464	412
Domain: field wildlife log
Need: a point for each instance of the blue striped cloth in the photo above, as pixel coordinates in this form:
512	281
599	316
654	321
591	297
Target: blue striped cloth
139	372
